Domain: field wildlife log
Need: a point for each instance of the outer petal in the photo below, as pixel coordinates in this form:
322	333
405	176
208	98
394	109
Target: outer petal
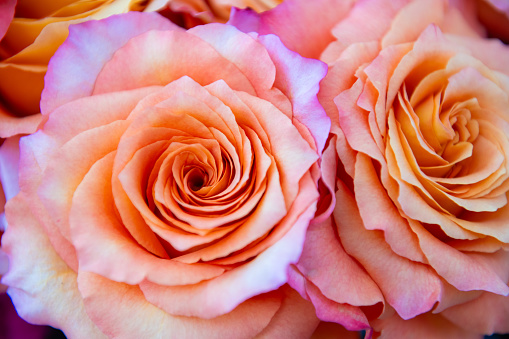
378	212
33	152
295	318
327	310
487	314
134	317
29	66
37	275
173	54
298	78
326	264
226	40
74	67
307	35
460	269
222	294
10	125
9	159
6	15
416	287
379	13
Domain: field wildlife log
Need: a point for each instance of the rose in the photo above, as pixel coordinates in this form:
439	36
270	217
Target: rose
390	252
33	36
421	129
170	185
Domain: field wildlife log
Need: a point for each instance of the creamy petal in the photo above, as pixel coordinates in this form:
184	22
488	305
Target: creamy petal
37	274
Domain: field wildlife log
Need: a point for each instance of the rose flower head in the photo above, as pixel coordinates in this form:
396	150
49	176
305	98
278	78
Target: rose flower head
421	130
170	185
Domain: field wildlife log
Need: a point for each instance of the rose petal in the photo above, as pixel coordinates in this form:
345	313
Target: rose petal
33	150
352	28
451	296
412	19
74	68
19	76
11	126
326	310
326	264
379	213
226	39
211	298
70	165
135	316
170	55
37	274
94	241
454	268
382	264
87	113
6	15
298	79
306	36
9	160
487	314
295	318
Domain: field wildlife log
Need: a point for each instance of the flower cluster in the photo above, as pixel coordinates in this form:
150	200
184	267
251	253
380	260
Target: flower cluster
268	169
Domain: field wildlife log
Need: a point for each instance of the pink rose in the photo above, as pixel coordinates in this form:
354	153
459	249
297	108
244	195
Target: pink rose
417	246
170	186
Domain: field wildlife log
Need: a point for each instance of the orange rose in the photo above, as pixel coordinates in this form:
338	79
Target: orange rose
170	186
422	132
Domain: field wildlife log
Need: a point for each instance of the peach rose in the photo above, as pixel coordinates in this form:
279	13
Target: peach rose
422	131
35	32
170	185
419	144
